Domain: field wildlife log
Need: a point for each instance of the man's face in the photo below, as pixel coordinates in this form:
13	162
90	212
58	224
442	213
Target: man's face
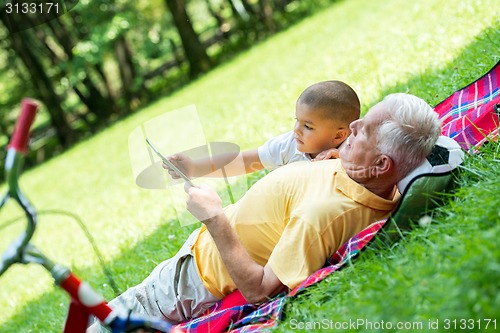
360	155
314	132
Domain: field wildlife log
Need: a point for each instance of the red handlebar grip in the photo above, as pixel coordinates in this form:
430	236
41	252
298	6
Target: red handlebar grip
20	138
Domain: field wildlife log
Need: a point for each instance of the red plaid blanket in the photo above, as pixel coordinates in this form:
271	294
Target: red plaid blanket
233	314
468	116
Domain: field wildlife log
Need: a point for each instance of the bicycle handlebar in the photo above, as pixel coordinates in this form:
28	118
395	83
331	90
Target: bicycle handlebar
20	138
20	251
13	164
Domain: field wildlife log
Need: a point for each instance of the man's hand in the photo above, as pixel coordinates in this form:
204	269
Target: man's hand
257	283
182	162
327	154
203	202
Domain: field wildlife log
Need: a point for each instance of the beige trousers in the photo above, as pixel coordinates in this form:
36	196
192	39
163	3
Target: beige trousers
172	292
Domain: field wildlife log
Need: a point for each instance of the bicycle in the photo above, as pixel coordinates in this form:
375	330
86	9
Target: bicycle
85	301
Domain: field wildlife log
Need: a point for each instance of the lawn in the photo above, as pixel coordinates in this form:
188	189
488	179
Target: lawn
430	48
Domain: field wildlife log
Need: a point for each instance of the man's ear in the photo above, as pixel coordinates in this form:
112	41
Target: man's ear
383	166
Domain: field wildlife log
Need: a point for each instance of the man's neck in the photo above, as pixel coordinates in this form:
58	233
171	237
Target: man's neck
386	192
381	186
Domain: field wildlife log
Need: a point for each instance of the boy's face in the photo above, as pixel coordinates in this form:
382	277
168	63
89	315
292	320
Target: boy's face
314	132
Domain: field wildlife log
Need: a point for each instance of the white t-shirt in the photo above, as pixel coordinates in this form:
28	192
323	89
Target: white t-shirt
280	151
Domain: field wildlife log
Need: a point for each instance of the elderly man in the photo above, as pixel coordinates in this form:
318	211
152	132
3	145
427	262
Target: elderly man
293	219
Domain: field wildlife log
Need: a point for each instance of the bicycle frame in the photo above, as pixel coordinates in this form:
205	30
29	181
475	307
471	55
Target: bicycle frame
85	302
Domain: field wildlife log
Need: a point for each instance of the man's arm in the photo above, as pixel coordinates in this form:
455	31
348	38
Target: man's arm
256	283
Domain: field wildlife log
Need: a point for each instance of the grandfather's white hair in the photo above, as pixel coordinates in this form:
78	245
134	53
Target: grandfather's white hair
409	132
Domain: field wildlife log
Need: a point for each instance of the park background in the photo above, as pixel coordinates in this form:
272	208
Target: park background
108	66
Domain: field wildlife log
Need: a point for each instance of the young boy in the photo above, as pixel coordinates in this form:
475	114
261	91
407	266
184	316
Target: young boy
323	113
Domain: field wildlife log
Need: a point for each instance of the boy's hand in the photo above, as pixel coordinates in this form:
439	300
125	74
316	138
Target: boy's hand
203	202
327	154
182	162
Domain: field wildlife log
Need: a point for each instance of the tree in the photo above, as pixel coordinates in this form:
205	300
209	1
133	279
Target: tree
239	13
266	14
42	86
195	51
248	7
127	70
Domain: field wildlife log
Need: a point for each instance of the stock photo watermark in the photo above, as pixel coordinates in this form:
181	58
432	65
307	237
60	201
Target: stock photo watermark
19	15
455	324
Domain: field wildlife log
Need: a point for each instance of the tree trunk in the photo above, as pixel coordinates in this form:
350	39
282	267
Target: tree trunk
221	23
127	71
266	14
196	53
99	68
239	14
90	95
248	7
44	87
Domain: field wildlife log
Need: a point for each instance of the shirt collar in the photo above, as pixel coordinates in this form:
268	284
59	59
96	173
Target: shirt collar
361	195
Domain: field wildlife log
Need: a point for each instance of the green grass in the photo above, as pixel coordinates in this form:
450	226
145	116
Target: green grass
429	48
448	270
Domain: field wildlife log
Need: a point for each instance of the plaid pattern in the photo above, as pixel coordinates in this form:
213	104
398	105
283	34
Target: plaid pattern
233	314
468	115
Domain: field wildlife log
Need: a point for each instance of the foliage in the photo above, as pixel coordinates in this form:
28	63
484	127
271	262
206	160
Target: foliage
106	58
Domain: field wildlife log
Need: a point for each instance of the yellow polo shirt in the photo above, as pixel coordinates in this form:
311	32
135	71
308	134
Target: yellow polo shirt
293	219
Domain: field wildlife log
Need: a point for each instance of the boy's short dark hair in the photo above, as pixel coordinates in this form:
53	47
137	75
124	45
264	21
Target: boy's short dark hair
336	99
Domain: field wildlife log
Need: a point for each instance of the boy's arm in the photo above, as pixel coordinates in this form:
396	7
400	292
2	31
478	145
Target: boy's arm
327	154
252	161
246	162
332	152
219	165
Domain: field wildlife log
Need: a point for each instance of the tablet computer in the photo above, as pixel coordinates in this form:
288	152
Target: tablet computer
170	164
